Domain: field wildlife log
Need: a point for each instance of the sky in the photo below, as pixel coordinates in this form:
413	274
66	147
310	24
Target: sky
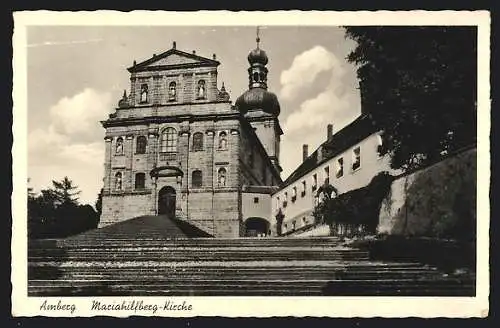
77	74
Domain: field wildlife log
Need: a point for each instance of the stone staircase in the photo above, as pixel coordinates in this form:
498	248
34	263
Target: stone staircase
143	261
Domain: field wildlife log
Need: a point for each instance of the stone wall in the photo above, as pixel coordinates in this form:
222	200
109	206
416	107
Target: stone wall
117	208
439	200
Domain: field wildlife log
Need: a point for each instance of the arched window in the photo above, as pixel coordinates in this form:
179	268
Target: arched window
221	177
118	181
197	141
140	181
169	141
119	146
223	140
172	91
262	77
197	180
201	90
144	93
256	77
140	145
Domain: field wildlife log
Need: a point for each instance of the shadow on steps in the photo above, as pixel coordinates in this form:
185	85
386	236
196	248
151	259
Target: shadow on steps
150	226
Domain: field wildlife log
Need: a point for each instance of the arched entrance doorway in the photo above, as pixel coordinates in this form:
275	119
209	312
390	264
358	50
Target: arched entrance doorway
166	201
256	226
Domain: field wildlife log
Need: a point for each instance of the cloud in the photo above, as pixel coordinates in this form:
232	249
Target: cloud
336	102
62	43
72	144
78	116
304	70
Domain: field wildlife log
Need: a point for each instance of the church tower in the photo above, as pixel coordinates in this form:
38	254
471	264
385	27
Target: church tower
261	107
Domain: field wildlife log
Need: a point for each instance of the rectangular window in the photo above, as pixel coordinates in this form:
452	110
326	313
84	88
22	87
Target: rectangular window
197	179
303	193
256	200
315	182
339	169
294	194
278	202
140	181
380	148
356	158
285	201
327	175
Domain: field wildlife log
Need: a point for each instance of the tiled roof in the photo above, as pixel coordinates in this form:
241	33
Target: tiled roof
345	138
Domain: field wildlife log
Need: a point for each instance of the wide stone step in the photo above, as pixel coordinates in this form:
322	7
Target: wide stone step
202	257
191	249
253	287
431	292
127	241
179	275
251	283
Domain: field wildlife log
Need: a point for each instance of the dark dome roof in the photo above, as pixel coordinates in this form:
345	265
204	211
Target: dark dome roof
258	98
257	56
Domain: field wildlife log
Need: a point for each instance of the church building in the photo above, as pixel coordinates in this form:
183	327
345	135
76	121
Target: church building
176	145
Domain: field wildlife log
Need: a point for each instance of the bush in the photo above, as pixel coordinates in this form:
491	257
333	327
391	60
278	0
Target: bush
357	207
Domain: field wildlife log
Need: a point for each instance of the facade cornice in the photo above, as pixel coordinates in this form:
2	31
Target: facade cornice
169	119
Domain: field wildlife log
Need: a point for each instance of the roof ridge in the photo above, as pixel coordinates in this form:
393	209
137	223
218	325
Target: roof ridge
169	52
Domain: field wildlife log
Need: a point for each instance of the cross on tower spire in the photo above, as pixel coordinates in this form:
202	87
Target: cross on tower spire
258	36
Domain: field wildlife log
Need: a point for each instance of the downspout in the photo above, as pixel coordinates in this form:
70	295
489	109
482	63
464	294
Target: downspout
213	185
187	176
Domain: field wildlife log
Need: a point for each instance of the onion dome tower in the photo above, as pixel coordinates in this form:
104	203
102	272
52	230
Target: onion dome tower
257	97
261	107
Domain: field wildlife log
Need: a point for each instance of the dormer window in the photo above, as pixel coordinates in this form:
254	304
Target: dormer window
172	91
201	92
144	93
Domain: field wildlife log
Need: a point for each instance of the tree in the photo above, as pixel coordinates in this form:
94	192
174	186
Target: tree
98	203
65	191
55	212
322	209
418	84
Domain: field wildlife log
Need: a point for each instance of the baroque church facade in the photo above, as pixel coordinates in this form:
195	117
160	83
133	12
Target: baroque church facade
176	145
